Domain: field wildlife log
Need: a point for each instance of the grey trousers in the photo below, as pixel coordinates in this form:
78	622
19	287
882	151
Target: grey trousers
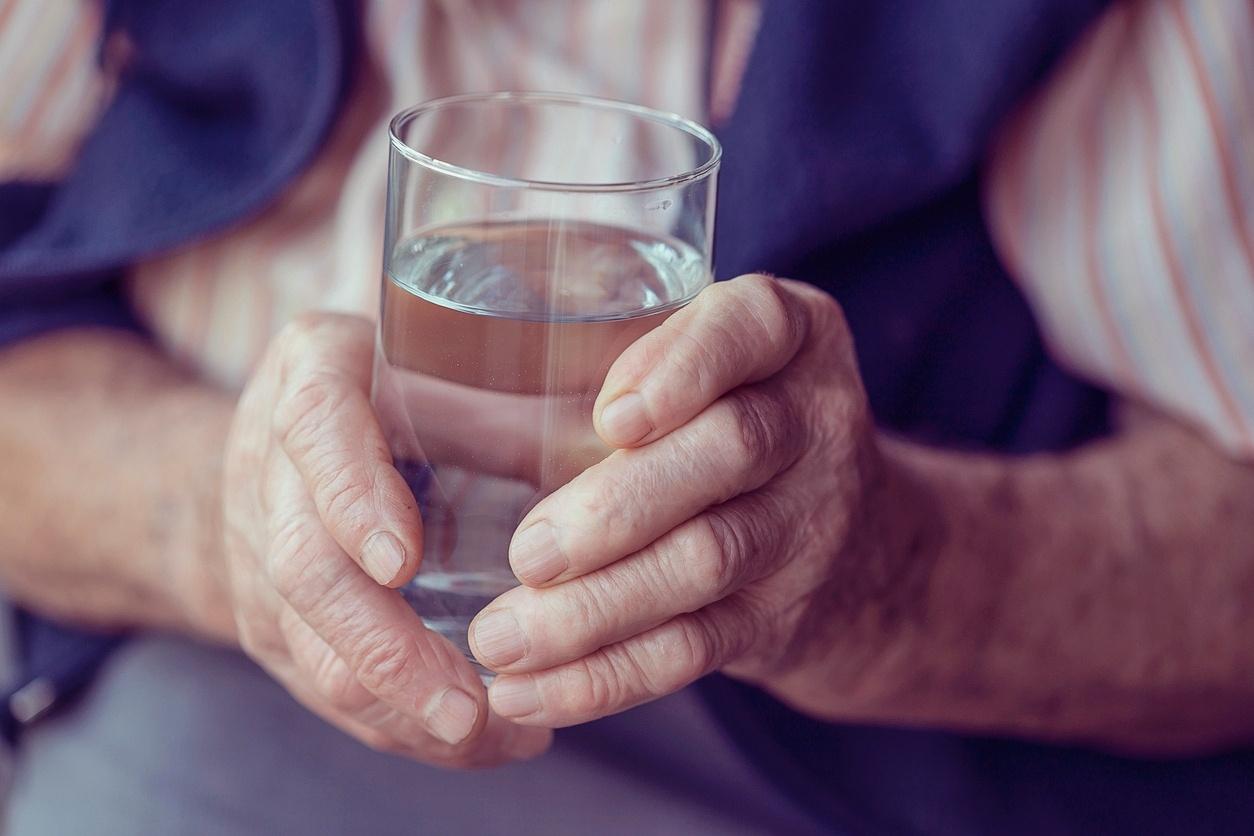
177	738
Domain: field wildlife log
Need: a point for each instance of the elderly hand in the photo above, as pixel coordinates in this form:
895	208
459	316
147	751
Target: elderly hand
731	529
318	526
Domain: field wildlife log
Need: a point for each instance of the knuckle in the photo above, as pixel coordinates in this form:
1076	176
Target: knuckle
292	558
694	361
572	620
661	663
690	367
825	307
340	492
673	656
819	312
582	602
717	552
766	304
304	408
658	579
757	426
750	437
636	675
759	291
747	636
384	664
693	650
337	685
763	430
593	687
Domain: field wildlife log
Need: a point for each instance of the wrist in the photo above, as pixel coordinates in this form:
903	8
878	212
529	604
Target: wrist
195	569
954	524
874	614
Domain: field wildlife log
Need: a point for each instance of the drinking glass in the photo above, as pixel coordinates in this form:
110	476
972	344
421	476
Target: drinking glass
530	238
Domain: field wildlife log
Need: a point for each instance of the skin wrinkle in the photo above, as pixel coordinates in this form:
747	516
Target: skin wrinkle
665	572
331	676
811	613
1142	677
691	358
931	609
374	633
293	555
1097	595
301	414
604	504
42	406
341	492
769	425
877	590
736	552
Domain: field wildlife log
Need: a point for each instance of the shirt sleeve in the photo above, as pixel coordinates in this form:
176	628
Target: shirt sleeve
1122	199
53	91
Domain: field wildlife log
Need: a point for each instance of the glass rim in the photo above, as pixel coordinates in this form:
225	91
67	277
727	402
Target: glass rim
672	120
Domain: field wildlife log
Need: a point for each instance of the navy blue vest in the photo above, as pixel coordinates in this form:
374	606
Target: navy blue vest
851	162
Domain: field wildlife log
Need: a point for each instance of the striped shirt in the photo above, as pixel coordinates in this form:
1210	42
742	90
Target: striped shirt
1122	197
1118	195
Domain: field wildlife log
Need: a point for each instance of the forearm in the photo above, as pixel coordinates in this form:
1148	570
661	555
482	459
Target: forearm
110	482
1101	595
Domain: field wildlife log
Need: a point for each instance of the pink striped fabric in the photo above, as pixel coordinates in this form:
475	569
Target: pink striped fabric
1122	197
50	87
215	305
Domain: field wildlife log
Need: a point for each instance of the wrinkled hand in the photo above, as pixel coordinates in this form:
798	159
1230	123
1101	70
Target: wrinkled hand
318	525
715	535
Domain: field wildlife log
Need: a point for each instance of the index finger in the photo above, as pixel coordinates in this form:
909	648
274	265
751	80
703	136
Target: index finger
383	645
324	421
735	332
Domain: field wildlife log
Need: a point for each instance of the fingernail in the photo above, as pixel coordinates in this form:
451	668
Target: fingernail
623	421
534	554
383	556
452	716
514	696
498	638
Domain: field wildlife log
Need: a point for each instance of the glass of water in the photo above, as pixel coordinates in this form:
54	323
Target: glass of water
530	238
